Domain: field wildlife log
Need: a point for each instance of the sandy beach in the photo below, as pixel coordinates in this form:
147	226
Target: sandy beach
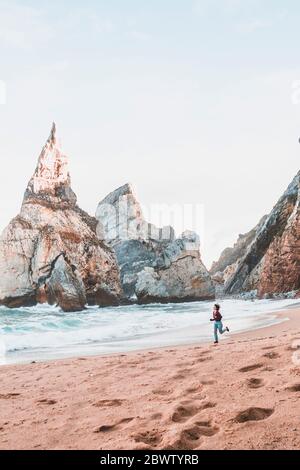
241	394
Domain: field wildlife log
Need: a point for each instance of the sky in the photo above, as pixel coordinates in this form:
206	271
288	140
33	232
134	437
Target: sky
196	103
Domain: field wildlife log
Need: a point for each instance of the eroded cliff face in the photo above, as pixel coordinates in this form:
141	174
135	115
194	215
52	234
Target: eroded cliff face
50	252
270	260
154	265
280	270
222	269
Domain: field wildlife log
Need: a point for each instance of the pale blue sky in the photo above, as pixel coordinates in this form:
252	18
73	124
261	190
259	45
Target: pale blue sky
192	101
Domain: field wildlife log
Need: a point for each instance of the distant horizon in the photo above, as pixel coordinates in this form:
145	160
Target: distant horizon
195	103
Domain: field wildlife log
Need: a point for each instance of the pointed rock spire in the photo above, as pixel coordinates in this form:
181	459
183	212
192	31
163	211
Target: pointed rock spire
52	136
51	180
50	251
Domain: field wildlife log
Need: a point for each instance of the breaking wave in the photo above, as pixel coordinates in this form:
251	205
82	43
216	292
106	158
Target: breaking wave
45	332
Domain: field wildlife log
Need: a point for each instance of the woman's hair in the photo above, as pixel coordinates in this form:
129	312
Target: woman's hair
217	306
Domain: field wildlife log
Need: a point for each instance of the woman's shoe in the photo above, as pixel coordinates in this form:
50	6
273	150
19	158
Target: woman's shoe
216	342
227	329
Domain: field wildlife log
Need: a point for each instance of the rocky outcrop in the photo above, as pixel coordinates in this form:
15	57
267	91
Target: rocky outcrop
181	277
280	270
271	261
50	252
154	265
222	269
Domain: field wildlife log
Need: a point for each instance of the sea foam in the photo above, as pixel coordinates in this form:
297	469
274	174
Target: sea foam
45	332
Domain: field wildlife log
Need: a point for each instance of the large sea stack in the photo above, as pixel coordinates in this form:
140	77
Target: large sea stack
267	259
50	252
154	265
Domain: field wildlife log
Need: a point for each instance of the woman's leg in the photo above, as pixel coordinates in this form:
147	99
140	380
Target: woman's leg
221	329
216	332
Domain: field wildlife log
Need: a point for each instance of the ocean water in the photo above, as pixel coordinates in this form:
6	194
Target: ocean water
45	332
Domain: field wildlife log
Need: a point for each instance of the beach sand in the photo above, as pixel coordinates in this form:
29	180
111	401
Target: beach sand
241	394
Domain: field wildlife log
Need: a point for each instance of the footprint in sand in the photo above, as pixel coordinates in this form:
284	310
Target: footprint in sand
46	401
251	367
272	355
111	427
151	437
293	388
156	416
162	392
185	410
7	396
253	414
190	437
208	382
153	358
268	369
109	403
255	383
182	374
203	359
178	377
194	388
185	371
193	393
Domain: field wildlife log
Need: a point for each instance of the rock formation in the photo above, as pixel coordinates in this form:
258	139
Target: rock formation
50	252
268	258
154	265
222	269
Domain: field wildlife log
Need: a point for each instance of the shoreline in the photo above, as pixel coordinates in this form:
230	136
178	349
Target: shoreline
276	314
240	394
